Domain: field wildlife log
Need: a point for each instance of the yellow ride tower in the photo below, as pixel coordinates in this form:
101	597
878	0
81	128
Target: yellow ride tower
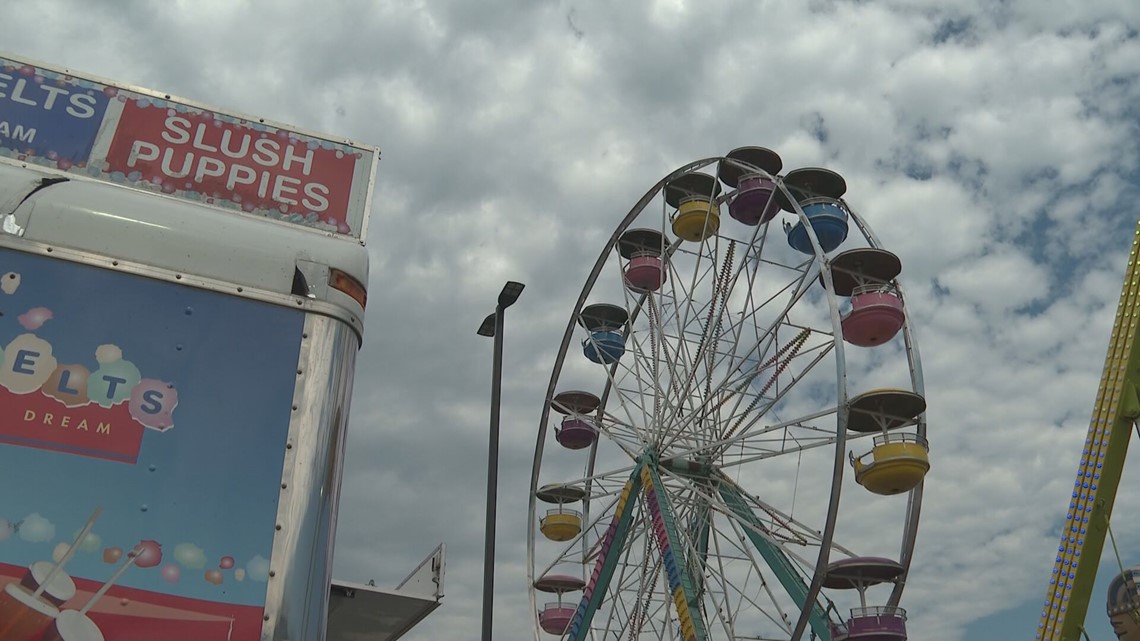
1098	475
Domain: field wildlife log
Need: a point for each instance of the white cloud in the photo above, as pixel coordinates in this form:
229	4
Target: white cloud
36	529
990	146
91	542
998	283
258	569
190	556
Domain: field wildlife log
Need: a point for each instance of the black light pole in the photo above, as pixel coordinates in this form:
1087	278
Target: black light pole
493	326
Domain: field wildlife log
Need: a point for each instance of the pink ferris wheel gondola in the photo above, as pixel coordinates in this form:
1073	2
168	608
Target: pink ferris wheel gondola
866	275
643	248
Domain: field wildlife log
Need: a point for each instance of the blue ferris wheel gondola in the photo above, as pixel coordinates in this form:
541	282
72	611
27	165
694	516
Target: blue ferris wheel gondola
605	343
817	192
604	348
828	221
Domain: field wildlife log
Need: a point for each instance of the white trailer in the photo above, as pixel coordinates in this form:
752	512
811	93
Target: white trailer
182	296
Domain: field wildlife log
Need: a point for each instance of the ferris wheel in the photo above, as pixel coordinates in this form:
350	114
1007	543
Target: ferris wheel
693	446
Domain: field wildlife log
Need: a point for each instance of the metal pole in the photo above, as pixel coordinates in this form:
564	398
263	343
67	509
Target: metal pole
492	476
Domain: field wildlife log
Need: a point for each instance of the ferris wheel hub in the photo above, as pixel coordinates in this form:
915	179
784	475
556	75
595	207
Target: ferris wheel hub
688	467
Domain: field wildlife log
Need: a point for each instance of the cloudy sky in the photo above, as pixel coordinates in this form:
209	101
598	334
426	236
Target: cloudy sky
991	145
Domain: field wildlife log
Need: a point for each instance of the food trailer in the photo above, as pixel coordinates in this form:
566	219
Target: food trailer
182	295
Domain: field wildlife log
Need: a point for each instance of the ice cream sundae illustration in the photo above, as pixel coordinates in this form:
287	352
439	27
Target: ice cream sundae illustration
33	608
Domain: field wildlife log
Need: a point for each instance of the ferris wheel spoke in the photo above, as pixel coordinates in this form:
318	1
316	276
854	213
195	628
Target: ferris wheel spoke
651	356
710	327
717	573
766	333
771	608
729	588
647	369
741	380
690	307
733	393
622	431
761	376
673	357
631	401
760	405
798	530
599	484
728	620
764	443
619	610
628	439
644	371
751	308
732	422
800	445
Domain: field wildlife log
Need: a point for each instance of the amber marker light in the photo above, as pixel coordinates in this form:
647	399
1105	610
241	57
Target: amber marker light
342	282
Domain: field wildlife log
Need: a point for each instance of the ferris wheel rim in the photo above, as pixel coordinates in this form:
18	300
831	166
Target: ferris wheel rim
914	500
560	359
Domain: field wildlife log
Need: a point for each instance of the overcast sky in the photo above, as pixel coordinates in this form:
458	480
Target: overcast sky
991	145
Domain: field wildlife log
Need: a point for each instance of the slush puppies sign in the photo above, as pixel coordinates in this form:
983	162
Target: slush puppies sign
54	118
198	152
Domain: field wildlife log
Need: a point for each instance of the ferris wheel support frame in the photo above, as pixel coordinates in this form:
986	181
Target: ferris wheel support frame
1117	408
775	558
614	538
677	571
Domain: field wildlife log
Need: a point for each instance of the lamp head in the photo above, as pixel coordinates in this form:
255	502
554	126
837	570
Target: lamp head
510	293
487	328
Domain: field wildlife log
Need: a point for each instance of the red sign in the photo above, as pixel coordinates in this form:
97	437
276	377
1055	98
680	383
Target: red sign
55	118
36	420
255	167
